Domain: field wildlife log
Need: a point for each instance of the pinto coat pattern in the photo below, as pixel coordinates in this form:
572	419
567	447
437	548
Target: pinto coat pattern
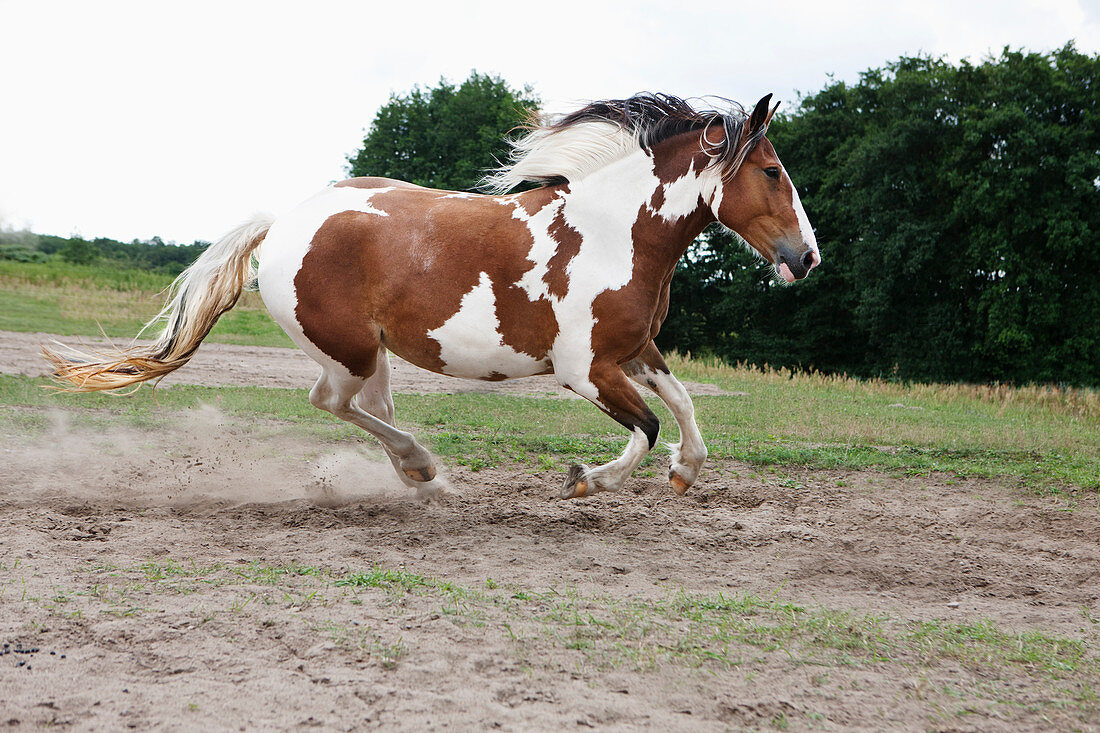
570	278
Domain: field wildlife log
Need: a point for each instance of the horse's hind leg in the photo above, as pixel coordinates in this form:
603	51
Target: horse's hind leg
618	398
337	393
649	369
375	397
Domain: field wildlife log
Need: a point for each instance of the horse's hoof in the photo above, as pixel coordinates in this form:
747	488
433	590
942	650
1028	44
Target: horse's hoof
678	484
575	485
421	475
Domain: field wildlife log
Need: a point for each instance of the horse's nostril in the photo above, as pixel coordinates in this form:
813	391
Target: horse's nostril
808	259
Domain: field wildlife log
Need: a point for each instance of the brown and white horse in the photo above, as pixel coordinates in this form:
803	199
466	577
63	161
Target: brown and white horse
570	278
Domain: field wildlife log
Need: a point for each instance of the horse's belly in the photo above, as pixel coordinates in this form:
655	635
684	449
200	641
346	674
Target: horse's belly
485	369
478	354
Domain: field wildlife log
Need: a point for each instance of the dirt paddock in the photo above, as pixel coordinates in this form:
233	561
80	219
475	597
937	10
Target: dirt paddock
183	579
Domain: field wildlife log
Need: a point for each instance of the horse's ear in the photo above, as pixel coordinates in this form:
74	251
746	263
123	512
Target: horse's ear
768	119
759	117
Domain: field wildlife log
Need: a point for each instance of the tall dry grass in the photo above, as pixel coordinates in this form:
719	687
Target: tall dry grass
1072	401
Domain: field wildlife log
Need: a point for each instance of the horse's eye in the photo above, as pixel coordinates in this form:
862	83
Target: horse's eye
772	172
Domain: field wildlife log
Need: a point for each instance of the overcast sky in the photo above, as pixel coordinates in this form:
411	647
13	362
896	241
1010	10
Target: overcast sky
134	119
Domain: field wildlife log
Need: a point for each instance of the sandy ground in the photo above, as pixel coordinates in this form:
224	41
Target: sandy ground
95	639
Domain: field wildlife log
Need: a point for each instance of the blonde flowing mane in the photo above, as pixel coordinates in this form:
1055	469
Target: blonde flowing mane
556	150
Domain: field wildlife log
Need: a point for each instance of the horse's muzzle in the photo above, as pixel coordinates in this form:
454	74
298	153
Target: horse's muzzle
793	266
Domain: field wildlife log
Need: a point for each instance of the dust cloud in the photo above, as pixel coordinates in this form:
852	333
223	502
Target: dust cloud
200	457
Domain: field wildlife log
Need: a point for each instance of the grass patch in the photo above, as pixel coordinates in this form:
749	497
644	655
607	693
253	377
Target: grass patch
1078	402
720	633
392	581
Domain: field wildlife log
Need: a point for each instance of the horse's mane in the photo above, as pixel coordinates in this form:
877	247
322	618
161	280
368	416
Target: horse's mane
568	148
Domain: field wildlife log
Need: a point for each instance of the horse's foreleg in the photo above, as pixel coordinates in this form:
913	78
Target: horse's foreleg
650	370
618	398
337	393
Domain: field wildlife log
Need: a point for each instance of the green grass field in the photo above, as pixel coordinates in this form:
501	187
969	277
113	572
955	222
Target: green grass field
1045	440
73	300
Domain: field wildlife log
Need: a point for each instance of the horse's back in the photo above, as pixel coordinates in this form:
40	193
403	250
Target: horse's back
375	182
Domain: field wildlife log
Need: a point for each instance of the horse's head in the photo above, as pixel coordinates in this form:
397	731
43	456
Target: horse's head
760	203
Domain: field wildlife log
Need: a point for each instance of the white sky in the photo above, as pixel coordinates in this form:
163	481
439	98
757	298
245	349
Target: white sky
134	119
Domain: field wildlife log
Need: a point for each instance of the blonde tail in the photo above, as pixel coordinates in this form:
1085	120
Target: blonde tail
197	298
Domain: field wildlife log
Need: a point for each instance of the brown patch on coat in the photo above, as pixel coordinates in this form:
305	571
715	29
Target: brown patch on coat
627	319
569	245
527	326
621	401
673	158
451	242
533	201
623	319
661	312
658	199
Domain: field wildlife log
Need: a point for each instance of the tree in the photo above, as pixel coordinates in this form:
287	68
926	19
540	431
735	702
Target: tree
79	251
444	136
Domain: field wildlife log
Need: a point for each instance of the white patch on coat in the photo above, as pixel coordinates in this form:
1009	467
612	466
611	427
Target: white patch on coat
470	343
803	220
712	193
543	246
681	197
285	247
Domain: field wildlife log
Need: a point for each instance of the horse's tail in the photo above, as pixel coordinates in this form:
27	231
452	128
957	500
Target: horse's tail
205	290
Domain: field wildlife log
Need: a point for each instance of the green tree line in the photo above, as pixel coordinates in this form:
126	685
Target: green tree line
958	211
153	254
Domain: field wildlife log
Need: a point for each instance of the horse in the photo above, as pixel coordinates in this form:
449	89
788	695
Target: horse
569	277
